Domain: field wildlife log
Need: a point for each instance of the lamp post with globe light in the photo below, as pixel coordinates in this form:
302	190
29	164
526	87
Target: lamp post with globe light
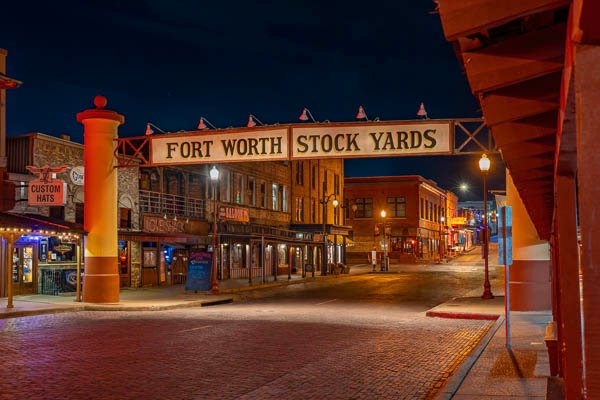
484	167
324	202
385	266
214	178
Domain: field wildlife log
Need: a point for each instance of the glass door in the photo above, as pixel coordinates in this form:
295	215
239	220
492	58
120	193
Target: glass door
23	274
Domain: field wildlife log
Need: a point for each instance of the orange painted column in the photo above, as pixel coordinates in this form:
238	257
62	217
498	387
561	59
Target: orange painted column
101	275
530	282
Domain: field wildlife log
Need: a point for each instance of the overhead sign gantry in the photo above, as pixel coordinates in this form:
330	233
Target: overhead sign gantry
305	141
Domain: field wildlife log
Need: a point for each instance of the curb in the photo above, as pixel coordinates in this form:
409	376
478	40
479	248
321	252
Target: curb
197	303
46	311
455	380
459	315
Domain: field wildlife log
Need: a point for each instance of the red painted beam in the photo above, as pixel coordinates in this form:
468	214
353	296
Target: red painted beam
465	17
526	99
516	59
534	127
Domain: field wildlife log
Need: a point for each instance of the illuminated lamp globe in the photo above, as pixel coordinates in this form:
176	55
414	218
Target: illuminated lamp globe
214	174
484	164
383	213
335	202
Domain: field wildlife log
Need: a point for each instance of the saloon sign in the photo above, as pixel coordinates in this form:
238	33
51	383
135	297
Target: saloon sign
46	190
329	140
229	213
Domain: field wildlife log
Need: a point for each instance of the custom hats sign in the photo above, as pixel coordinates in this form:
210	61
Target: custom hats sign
46	190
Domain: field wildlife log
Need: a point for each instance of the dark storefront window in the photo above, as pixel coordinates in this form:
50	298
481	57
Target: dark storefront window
397	206
364	207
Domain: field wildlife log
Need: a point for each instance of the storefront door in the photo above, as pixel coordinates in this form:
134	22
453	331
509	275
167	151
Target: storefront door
23	269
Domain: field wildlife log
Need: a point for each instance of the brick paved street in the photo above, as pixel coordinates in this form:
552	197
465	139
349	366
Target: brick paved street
363	337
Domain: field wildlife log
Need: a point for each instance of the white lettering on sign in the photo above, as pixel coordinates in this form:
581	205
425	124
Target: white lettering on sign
47	193
371	140
200	148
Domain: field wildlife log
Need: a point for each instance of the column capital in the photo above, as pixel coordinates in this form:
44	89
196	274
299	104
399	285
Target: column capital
100	112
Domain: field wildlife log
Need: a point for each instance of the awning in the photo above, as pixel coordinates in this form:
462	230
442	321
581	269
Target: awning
33	223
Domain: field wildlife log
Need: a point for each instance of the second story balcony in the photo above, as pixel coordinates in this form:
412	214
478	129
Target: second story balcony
172	205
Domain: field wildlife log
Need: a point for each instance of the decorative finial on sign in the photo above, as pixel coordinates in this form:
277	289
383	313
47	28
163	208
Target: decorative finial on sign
100	101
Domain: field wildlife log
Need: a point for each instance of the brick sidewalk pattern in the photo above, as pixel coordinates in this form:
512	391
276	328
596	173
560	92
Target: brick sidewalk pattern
191	354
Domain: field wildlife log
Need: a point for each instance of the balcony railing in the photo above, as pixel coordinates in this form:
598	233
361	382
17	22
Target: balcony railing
170	204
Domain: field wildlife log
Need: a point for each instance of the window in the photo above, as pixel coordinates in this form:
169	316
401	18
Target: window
284	199
275	196
225	186
422	209
57	212
262	200
426	210
238	188
124	217
314	177
300	173
364	207
431	211
336	184
397	206
252	191
299	209
79	213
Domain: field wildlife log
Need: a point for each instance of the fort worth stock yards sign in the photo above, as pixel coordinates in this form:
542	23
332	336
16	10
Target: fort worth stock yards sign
374	139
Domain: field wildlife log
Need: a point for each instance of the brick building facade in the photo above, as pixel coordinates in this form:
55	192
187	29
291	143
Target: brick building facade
416	215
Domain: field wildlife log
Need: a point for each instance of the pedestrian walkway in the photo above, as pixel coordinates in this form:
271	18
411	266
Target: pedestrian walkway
493	371
157	298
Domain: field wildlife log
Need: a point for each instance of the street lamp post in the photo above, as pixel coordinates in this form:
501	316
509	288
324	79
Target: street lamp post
484	166
441	244
214	282
385	266
324	202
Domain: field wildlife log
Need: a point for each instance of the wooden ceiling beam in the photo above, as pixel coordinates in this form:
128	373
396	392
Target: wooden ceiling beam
516	59
463	18
526	99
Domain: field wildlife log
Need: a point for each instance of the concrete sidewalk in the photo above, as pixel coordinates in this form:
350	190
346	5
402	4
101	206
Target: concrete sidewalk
492	371
158	298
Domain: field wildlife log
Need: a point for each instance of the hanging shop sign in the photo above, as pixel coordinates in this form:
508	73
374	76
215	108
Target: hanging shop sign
199	148
372	140
229	213
46	190
76	175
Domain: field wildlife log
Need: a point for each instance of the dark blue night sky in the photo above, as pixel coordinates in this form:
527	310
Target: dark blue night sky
170	62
